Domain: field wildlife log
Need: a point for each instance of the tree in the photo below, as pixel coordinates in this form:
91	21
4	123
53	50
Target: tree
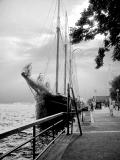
115	85
101	17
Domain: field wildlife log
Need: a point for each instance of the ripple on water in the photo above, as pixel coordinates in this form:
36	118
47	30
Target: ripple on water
11	116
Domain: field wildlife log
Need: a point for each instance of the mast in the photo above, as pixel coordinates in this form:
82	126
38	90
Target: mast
65	65
70	64
57	56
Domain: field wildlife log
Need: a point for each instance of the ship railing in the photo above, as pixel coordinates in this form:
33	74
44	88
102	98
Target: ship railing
56	120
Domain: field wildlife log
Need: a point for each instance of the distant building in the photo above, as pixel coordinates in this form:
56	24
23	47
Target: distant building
101	100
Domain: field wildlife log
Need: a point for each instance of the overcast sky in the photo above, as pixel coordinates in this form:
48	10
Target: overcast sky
27	34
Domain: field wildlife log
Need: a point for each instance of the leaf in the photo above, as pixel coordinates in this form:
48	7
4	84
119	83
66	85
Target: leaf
106	14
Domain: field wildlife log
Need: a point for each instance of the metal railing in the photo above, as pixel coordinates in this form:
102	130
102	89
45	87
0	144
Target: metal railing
53	120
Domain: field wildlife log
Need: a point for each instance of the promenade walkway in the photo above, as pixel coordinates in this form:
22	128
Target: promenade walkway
100	139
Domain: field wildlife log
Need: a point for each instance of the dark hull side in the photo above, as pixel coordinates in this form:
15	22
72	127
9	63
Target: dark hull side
46	103
50	104
56	104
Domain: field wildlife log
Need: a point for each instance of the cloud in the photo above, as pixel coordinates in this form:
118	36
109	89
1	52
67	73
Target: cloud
38	42
27	35
10	50
18	48
20	16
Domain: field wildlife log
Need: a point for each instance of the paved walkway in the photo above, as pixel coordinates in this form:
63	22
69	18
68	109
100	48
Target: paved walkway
100	140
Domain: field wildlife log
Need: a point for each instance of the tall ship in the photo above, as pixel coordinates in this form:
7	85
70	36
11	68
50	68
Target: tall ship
48	103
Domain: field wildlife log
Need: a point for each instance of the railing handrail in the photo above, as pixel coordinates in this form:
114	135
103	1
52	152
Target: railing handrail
26	126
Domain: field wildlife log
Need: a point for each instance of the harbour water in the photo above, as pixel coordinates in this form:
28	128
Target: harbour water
11	116
16	114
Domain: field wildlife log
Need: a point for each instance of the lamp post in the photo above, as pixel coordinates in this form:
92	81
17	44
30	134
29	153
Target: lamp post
117	90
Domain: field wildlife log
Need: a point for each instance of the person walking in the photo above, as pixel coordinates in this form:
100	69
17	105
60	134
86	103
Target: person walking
111	108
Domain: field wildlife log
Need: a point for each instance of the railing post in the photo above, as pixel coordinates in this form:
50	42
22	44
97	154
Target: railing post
82	115
72	127
34	134
68	104
53	132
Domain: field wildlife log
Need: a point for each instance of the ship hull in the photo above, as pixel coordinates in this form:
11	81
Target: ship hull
50	104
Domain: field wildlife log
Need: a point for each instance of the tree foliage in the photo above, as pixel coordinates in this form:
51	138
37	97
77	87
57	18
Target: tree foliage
101	17
115	84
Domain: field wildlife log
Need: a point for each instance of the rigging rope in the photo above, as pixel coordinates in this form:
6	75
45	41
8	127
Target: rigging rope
50	47
50	25
48	59
47	17
76	77
31	90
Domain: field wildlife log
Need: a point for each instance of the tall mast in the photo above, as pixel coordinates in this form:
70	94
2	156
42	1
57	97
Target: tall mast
65	65
57	56
70	64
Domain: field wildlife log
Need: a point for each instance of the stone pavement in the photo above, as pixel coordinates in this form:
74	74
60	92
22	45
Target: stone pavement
100	140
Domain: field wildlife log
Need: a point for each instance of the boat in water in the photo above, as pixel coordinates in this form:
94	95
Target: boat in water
47	103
